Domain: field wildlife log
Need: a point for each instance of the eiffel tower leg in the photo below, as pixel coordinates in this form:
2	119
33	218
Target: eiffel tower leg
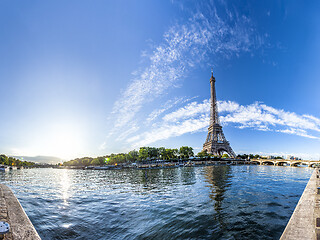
231	152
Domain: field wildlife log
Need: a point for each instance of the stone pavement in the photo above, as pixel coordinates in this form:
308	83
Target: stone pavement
12	212
4	214
302	222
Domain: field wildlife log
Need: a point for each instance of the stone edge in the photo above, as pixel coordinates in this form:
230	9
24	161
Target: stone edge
20	224
301	224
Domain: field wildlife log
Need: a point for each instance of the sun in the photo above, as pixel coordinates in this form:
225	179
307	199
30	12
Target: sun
64	140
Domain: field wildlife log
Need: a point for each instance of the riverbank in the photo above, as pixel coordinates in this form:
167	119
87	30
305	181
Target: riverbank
305	220
12	213
160	164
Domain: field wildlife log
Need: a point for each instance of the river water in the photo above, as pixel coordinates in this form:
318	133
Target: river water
214	202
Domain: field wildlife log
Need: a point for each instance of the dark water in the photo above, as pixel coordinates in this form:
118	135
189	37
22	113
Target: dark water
217	202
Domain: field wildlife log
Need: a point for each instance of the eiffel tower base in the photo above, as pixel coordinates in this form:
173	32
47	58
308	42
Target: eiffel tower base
218	149
216	142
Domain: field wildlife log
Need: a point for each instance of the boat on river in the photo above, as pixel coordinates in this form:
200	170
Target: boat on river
3	168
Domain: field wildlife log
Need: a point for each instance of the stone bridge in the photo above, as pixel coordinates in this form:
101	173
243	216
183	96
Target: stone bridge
283	162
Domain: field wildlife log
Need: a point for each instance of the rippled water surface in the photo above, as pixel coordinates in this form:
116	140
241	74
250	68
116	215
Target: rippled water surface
216	202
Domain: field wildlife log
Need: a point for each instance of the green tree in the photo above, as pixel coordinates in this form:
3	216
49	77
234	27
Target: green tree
102	160
143	153
86	162
203	153
225	155
3	159
256	156
162	153
133	156
95	161
117	158
10	161
186	152
153	152
18	162
170	153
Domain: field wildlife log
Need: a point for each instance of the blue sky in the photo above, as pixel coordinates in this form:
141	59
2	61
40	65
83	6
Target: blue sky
88	78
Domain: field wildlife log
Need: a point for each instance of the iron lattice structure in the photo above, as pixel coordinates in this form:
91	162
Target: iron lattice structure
216	143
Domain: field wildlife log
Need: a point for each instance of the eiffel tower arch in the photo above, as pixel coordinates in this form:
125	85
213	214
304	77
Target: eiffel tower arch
216	143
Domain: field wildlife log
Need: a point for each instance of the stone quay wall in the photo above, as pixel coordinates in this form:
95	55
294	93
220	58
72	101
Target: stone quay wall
305	220
12	212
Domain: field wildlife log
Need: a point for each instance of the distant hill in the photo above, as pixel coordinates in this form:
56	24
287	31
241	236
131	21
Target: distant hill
40	159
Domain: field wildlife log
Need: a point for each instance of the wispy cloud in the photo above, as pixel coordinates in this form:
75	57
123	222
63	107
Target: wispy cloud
262	117
194	117
168	105
167	130
191	110
183	47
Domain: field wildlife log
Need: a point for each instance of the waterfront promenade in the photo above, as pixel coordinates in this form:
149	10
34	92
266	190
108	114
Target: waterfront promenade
12	213
305	220
158	164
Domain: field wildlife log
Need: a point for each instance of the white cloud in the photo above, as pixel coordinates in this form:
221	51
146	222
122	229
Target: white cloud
130	129
258	114
194	117
166	131
168	105
266	118
298	132
183	47
191	110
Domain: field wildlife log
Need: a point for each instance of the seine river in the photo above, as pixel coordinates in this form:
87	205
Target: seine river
216	202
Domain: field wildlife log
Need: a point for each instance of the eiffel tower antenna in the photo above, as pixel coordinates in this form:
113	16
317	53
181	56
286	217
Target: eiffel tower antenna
216	143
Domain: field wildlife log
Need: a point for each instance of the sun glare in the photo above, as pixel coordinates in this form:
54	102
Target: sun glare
61	140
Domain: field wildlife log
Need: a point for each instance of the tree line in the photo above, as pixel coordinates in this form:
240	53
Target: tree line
205	154
11	161
143	154
86	161
150	153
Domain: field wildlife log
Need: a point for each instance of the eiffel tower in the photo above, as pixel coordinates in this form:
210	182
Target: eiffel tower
216	143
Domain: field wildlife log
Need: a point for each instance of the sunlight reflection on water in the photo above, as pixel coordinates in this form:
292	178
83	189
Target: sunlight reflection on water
65	185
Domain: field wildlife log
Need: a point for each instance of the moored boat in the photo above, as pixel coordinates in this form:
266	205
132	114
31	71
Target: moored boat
3	168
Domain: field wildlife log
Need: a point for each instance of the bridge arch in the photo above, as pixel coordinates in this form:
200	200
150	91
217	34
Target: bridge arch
255	162
304	164
282	163
295	164
313	164
267	163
